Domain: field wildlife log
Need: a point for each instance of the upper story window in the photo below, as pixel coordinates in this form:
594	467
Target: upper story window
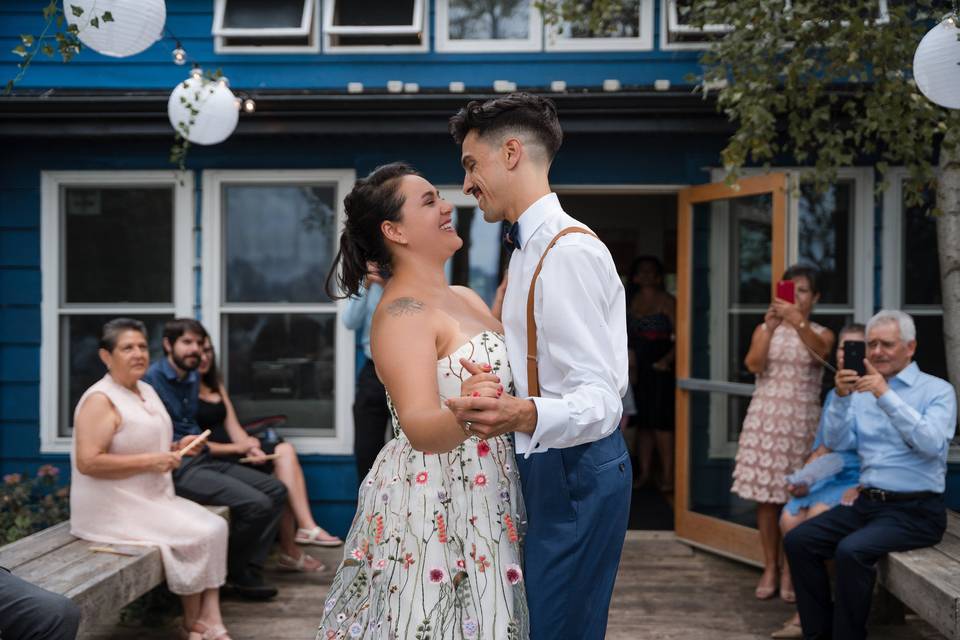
676	29
628	25
361	26
252	26
493	26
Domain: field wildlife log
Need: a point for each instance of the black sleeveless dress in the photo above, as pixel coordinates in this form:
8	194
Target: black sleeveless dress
651	338
213	416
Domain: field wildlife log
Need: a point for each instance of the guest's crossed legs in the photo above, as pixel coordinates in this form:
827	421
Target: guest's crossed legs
256	502
856	538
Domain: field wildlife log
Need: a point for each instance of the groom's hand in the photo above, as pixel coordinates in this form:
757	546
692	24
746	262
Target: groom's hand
491	417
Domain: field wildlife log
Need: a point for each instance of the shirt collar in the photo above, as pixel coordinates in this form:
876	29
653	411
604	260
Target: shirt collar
909	374
535	215
171	374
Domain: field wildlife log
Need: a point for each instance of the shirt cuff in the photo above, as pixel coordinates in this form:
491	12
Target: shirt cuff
552	416
889	401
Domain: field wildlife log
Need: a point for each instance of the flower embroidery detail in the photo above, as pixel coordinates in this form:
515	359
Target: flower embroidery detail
422	477
341	617
380	564
438	575
461	564
483	448
441	530
470	628
358	554
514	574
482	562
408	560
511	529
378	535
480	480
355	630
329	605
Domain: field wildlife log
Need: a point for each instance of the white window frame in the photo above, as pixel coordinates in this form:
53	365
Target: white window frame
310	28
51	260
670	23
419	24
643	42
445	45
212	286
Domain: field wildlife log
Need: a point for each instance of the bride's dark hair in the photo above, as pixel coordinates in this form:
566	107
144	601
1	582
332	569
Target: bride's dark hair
373	200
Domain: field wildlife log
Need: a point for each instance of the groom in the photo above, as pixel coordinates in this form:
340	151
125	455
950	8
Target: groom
565	323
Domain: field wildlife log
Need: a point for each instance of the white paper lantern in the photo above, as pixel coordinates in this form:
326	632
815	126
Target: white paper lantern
216	104
136	24
936	64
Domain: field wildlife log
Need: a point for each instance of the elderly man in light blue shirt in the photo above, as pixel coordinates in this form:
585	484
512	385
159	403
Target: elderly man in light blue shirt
900	420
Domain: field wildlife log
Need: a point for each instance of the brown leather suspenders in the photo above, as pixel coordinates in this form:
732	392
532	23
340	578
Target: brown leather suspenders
533	373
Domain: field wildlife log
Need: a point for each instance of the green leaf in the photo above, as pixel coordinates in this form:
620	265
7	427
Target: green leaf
77	11
107	16
47	49
95	22
8	88
73	28
19	50
26	39
50	10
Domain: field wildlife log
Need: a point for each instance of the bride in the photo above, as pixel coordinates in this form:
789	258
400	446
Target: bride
434	548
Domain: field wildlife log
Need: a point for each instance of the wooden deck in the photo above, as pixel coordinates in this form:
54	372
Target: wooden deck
665	591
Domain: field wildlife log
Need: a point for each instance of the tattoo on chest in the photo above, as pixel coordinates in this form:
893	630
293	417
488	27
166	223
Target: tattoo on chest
405	307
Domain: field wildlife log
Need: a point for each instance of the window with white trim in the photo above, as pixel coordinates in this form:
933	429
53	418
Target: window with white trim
677	32
492	27
114	244
911	274
253	26
627	26
478	263
362	26
269	238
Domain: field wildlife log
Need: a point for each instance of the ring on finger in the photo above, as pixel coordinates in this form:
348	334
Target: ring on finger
468	428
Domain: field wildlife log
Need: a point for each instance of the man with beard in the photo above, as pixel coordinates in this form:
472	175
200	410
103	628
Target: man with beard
256	500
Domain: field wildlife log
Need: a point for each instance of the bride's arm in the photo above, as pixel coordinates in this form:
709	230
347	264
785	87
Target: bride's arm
404	345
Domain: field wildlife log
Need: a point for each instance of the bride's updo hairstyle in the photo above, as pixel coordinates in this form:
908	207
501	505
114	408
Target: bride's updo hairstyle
372	201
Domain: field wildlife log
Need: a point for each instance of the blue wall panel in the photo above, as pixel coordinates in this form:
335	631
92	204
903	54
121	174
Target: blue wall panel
19	286
19	247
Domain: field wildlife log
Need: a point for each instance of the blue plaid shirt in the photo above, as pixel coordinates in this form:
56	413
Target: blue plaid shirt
179	396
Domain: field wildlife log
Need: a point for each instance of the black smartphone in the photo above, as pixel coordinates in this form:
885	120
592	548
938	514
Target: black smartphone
854	351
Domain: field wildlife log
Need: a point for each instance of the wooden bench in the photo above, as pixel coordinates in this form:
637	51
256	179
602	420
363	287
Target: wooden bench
928	580
99	583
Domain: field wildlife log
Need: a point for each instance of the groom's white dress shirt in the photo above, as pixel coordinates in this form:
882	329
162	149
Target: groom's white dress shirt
581	319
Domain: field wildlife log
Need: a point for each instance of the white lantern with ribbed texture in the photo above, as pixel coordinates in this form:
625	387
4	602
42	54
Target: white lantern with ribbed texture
215	105
134	25
936	64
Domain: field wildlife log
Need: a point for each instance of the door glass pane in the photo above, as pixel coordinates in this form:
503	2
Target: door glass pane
921	262
282	364
80	366
931	355
750	248
493	20
714	427
118	244
825	240
620	20
256	14
279	242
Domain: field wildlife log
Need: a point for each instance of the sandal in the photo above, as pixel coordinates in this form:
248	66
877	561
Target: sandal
318	537
299	564
216	632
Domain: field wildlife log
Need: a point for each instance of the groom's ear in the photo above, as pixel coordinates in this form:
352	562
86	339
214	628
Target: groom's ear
392	232
512	151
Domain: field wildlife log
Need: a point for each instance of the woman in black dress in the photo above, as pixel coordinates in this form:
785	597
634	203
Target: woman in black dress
228	438
651	314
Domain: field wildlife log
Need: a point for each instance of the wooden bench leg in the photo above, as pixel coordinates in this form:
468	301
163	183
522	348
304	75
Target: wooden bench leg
887	608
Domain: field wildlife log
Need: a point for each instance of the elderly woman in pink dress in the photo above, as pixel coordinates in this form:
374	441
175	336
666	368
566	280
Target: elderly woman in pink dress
122	491
785	353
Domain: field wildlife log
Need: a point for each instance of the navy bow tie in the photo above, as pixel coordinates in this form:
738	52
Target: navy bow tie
511	239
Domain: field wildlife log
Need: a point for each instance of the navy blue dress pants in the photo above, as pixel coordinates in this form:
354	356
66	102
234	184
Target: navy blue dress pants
28	612
578	503
855	538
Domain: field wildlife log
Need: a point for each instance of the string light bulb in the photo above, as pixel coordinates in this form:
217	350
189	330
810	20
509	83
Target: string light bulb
196	72
249	105
179	56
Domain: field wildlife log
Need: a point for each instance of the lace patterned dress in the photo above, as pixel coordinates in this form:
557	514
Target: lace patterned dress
434	548
781	420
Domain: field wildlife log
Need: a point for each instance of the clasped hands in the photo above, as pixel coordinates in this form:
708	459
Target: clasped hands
484	408
848	381
780	310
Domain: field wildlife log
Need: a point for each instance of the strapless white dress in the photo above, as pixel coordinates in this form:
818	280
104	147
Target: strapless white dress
434	550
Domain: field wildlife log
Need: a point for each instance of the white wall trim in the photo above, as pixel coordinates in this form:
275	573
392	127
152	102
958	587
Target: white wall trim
51	252
643	42
445	44
419	24
212	289
220	41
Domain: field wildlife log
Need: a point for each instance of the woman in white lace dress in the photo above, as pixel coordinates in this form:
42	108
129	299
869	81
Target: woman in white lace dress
434	549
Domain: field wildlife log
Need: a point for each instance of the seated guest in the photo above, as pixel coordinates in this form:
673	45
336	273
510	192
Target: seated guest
229	440
122	492
810	501
900	421
28	612
256	500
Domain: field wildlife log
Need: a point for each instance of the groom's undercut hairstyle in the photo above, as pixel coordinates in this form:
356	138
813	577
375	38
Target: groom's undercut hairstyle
532	119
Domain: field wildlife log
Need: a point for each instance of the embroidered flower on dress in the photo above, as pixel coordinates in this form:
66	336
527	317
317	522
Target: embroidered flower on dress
358	554
341	617
438	575
408	560
461	564
380	564
483	448
422	477
329	605
356	629
513	573
470	628
480	480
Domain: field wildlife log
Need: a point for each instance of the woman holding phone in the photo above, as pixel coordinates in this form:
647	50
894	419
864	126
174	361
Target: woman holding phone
785	355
